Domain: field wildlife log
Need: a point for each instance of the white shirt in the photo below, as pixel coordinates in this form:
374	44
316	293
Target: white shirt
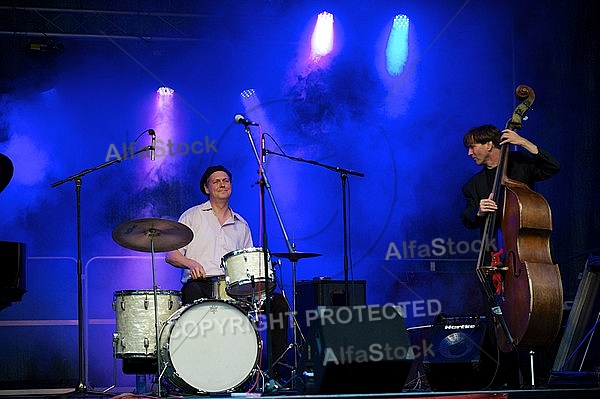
211	239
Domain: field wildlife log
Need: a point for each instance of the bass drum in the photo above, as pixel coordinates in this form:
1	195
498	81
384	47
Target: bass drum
209	346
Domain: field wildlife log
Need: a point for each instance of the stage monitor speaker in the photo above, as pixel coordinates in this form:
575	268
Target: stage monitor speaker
355	350
464	357
311	294
578	356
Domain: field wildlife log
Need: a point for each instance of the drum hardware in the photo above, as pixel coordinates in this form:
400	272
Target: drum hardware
265	186
343	173
114	383
293	257
153	235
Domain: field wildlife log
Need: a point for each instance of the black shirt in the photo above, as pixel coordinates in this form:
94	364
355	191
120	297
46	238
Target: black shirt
522	166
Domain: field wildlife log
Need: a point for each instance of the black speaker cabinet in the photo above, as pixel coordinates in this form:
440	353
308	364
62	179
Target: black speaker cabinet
461	356
359	349
13	260
311	294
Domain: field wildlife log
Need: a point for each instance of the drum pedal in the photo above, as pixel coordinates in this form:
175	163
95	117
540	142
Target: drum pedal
272	385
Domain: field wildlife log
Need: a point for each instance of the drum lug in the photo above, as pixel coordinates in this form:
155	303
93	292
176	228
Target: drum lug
146	303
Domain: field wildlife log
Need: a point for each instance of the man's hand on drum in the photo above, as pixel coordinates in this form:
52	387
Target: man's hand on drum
196	270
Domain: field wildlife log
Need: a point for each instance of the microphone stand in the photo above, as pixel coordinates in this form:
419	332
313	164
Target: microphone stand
265	185
344	173
82	384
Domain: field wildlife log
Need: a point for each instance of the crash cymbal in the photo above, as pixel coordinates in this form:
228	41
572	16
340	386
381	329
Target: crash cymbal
139	234
294	256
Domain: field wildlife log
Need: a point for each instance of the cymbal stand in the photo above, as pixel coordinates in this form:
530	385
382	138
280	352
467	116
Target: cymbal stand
294	317
82	386
344	173
266	186
155	233
115	345
294	345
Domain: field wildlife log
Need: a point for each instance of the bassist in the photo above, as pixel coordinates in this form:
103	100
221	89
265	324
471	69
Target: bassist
527	166
483	145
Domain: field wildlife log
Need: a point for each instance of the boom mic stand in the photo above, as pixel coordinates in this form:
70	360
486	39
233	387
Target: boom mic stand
82	386
344	173
265	186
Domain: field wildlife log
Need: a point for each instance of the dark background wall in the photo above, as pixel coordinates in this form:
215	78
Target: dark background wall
62	109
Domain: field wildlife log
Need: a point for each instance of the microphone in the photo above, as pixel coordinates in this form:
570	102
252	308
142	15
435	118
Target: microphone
240	119
153	145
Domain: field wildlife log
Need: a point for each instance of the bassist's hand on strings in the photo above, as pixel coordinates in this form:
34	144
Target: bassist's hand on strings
511	137
487	205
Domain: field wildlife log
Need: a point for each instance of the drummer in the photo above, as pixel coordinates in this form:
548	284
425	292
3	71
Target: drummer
218	230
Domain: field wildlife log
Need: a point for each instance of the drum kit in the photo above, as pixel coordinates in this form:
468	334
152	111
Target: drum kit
211	345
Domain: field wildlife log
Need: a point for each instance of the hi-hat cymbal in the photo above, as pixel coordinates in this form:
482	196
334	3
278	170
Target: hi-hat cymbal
141	234
294	256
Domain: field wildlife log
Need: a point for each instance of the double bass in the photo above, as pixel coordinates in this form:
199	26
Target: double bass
524	290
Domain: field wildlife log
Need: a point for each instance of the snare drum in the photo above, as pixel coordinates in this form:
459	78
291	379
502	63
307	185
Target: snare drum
209	346
136	335
245	273
220	289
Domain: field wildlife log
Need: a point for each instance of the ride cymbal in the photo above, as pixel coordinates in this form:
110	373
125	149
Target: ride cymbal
142	234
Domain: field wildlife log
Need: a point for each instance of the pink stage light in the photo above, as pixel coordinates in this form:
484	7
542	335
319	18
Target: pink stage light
322	37
165	91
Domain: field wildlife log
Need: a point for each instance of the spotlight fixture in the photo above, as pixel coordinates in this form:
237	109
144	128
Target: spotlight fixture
165	91
397	46
45	45
322	37
248	93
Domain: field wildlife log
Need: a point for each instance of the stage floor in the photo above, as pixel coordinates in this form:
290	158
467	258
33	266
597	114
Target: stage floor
116	393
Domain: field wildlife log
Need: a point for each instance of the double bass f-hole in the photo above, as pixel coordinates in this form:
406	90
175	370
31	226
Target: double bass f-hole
511	262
